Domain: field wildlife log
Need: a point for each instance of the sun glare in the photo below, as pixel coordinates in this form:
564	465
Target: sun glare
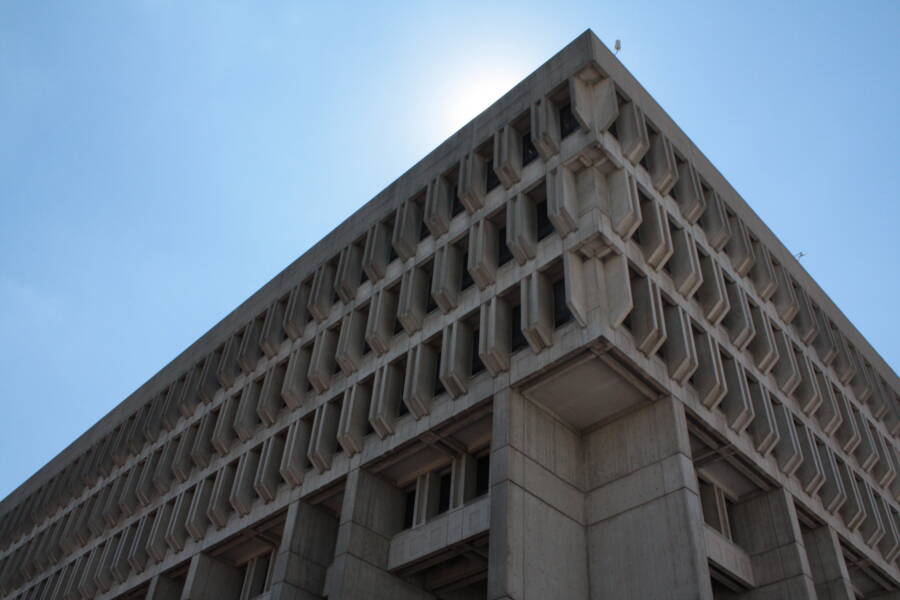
465	93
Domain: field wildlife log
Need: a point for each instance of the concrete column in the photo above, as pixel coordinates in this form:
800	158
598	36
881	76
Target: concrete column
767	528
164	588
643	508
211	579
307	548
371	514
536	466
826	563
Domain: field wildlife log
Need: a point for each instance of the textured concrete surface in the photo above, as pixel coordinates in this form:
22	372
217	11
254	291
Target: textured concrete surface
558	358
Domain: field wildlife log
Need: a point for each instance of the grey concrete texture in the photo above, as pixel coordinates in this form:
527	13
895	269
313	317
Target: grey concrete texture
558	358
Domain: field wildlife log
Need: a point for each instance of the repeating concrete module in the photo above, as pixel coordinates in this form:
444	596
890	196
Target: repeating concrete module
558	358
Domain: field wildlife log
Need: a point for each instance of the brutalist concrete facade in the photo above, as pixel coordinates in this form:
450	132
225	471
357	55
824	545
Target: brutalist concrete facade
558	358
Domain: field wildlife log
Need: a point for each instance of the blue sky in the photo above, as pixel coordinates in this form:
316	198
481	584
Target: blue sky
161	160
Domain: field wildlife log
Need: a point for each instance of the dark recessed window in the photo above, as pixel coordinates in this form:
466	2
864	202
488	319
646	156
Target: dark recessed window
503	253
477	365
567	122
457	206
482	475
544	225
517	340
465	278
491	181
561	312
409	502
529	152
444	493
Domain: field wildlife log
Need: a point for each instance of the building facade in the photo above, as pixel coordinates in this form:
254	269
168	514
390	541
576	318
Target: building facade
558	358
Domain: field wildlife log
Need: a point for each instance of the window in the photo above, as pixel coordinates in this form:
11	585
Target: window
529	152
409	503
444	485
491	179
567	122
482	474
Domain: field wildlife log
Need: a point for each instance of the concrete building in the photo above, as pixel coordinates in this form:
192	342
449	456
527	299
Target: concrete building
560	357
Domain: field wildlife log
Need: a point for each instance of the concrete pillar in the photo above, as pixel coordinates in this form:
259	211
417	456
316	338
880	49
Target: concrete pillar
164	588
209	578
640	478
826	564
306	550
766	527
371	514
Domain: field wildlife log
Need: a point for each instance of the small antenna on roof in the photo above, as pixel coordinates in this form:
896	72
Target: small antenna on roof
618	46
800	255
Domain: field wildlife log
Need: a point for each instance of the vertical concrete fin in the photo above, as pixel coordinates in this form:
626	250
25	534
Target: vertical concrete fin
384	407
807	392
242	494
176	533
832	491
738	322
810	473
455	367
270	403
471	188
739	247
787	449
296	386
786	371
537	311
763	347
508	156
785	299
246	419
660	163
322	363
421	375
562	200
688	193
268	477
545	128
712	294
495	327
354	416
631	129
228	369
653	233
709	378
447	277
321	294
348	276
483	253
684	266
293	461
296	315
678	348
376	252
647	323
412	305
762	428
323	438
761	273
219	508
351	344
250	351
381	323
521	227
273	333
714	221
737	406
407	229
202	448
